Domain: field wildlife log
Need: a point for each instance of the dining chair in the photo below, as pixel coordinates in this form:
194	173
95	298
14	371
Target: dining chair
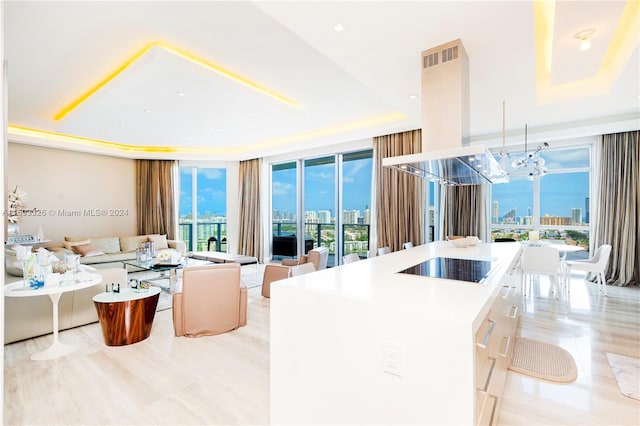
383	250
350	258
298	270
407	245
544	260
597	264
273	273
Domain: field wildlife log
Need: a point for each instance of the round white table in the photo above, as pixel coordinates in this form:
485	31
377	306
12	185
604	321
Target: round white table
22	289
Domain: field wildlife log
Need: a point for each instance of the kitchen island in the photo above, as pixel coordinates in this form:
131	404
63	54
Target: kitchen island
365	344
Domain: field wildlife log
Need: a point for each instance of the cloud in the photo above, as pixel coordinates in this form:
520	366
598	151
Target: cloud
321	175
348	179
282	188
213	174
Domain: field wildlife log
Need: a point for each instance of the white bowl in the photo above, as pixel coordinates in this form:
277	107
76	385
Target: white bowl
461	242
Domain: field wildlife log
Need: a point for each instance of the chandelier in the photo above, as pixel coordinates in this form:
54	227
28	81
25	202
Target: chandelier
530	164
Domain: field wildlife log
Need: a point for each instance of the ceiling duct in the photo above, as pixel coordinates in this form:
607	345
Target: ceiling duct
446	156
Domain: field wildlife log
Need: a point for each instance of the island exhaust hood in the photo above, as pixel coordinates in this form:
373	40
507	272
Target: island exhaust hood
446	157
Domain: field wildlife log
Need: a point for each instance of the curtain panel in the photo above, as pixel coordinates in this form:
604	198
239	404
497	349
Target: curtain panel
250	224
617	205
465	211
155	201
400	197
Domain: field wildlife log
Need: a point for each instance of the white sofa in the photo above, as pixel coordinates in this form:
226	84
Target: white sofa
111	251
27	317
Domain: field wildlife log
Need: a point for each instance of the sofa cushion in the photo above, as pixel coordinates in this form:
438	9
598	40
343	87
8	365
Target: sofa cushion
160	241
132	243
71	244
87	250
76	238
107	244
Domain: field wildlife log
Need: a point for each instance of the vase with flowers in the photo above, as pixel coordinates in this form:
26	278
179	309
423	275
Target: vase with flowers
17	200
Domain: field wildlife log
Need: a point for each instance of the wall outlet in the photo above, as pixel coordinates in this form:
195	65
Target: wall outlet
392	358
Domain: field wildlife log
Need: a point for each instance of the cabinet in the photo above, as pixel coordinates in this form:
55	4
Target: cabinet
494	341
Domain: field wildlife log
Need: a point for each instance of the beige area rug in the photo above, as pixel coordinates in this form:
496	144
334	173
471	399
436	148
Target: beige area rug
543	361
627	372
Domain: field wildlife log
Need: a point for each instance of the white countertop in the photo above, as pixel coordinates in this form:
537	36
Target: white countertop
377	280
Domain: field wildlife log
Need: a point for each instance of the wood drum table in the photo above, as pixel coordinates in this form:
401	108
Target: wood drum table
126	317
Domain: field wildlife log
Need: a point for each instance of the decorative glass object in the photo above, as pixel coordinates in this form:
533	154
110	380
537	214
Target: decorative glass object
33	273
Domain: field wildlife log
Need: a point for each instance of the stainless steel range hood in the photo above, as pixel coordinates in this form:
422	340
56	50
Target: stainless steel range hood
447	157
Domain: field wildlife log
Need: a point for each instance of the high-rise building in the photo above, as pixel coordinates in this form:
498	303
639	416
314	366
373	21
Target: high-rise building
324	216
310	216
509	217
367	216
576	216
586	210
495	212
350	216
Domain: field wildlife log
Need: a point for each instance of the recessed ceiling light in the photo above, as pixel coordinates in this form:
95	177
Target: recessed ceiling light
181	94
189	138
338	28
413	96
147	110
583	36
218	130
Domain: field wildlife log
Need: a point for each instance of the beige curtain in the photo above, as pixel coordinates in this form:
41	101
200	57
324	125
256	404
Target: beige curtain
617	205
250	225
465	211
400	197
155	197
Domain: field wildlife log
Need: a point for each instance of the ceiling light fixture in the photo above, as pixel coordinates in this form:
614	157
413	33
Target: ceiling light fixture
413	96
530	164
147	110
583	36
181	94
338	28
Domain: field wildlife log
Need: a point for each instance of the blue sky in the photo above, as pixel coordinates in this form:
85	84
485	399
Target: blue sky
212	189
320	187
560	192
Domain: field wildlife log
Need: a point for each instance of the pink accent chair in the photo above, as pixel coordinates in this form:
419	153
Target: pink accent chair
212	301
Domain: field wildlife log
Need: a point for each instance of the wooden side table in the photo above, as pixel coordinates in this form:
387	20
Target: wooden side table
126	317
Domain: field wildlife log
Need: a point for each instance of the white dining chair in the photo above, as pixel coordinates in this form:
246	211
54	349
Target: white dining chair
597	264
350	258
543	260
407	245
298	270
383	250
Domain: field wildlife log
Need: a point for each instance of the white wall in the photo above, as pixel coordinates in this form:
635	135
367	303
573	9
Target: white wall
59	182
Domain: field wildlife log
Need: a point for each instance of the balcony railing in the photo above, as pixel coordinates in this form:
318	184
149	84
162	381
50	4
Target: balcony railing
355	237
216	231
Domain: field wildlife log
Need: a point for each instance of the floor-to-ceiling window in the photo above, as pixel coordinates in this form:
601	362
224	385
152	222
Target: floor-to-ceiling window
556	204
330	206
203	208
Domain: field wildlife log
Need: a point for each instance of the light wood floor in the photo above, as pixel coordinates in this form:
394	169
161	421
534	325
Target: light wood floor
225	379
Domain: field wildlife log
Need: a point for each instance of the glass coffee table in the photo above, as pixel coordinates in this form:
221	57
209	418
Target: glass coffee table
167	271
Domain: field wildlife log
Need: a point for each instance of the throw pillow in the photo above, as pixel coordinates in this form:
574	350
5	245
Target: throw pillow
132	243
87	250
107	244
69	245
160	241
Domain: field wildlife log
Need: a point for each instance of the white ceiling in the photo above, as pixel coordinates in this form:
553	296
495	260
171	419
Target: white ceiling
347	85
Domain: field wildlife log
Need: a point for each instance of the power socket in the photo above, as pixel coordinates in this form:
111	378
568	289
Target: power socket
392	358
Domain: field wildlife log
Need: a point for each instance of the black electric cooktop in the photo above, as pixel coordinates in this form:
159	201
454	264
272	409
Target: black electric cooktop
474	271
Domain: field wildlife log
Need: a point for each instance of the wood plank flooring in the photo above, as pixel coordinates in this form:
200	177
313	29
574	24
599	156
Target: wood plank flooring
225	379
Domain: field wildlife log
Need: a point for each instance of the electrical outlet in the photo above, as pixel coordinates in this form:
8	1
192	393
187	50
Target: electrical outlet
392	358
